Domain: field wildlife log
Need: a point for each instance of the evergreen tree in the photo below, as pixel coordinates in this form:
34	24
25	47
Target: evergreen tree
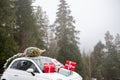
52	48
8	46
25	24
117	57
97	60
87	68
109	42
42	28
66	37
117	43
111	68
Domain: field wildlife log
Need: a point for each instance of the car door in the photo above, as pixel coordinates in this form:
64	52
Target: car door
18	70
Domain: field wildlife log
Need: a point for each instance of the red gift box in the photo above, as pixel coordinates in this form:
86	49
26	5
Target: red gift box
49	67
70	65
60	67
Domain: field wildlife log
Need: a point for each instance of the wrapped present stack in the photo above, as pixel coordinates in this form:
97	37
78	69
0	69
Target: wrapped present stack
70	65
68	68
58	68
49	68
65	72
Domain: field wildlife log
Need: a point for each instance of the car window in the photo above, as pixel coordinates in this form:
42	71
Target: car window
24	65
40	62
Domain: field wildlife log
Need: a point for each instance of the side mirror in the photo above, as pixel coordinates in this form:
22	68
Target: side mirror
30	70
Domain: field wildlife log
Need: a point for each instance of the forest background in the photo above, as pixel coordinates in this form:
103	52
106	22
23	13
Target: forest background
23	25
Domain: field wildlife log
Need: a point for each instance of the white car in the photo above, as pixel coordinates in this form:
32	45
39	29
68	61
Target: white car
28	68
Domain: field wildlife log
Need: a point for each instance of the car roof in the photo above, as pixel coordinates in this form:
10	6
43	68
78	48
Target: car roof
31	58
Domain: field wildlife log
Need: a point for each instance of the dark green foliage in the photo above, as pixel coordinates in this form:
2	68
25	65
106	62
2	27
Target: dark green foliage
111	65
109	42
66	37
105	59
25	24
8	46
97	61
117	44
18	23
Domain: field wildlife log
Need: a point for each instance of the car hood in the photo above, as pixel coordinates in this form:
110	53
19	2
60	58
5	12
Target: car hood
58	76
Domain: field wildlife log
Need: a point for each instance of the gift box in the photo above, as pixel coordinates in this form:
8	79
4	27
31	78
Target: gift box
58	69
70	65
49	67
64	72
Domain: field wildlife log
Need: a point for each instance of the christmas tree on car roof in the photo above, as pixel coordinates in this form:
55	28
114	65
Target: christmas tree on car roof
29	52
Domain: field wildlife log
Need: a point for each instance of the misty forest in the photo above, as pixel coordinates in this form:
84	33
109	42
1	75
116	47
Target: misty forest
23	25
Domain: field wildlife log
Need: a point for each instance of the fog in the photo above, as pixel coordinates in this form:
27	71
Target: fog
93	18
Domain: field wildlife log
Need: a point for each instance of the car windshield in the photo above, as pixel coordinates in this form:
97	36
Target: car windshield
41	60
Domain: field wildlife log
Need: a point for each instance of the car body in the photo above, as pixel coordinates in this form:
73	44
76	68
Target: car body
31	68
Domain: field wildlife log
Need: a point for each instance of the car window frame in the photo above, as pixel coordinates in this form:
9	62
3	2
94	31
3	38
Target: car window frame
39	71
